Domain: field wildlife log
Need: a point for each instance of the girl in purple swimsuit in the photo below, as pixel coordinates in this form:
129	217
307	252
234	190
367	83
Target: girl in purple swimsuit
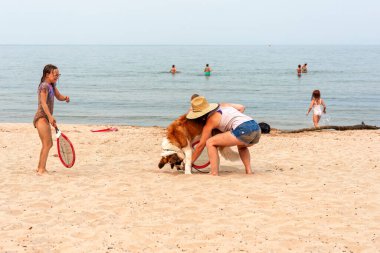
43	118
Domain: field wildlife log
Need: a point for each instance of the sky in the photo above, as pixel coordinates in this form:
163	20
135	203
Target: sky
190	22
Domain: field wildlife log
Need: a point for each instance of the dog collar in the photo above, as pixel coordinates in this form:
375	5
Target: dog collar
169	149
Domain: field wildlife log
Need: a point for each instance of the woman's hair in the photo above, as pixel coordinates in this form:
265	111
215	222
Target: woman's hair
194	96
299	65
316	94
206	65
47	70
173	66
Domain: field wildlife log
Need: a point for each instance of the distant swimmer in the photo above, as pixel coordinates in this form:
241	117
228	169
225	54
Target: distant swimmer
299	70
304	68
207	70
173	69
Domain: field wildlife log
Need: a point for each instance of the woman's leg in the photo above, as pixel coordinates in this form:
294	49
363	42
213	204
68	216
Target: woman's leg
245	157
318	119
225	140
44	131
315	120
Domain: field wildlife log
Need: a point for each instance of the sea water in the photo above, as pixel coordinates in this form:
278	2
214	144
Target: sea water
131	85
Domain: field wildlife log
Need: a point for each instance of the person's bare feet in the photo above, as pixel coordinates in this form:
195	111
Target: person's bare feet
41	172
214	173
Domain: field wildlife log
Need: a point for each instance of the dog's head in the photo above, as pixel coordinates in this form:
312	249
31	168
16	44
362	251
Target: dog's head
171	154
173	160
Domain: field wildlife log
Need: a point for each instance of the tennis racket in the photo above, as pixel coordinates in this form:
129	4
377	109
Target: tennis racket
202	162
66	152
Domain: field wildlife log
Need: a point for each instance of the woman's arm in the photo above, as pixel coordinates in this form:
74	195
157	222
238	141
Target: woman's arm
239	107
324	105
310	107
211	123
61	97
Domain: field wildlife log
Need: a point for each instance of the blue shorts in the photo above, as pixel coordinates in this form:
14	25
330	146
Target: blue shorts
248	132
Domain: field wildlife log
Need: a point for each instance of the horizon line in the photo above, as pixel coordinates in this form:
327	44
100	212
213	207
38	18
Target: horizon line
117	44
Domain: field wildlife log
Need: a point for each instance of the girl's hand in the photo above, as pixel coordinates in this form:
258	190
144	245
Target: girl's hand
52	121
67	99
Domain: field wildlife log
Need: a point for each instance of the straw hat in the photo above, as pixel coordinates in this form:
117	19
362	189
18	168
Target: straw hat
200	107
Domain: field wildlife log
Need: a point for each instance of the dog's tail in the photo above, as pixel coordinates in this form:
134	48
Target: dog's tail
229	154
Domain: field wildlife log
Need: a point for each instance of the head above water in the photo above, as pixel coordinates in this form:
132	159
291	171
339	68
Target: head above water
50	74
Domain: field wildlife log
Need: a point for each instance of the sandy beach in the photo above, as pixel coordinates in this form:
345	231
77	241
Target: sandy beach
310	192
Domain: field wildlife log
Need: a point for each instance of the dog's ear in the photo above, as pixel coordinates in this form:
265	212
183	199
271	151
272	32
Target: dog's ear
164	160
175	160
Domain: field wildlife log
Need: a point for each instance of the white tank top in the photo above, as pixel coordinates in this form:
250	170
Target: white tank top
231	118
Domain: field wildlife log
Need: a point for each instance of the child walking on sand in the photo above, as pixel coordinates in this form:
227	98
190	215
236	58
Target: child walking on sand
316	104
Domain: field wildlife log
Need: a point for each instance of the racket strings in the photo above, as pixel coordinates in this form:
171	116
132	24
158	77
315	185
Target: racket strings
65	150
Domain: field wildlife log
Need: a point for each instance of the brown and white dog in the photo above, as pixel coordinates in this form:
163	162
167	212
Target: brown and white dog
176	147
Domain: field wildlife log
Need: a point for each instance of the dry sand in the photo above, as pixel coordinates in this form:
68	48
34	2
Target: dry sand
310	192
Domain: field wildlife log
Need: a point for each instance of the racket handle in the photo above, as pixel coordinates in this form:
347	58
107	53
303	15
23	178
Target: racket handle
57	133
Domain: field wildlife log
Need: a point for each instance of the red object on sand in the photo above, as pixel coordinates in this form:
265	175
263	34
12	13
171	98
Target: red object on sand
109	129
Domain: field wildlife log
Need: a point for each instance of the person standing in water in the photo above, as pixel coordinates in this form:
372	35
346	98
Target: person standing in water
299	70
173	70
43	118
316	104
207	70
304	68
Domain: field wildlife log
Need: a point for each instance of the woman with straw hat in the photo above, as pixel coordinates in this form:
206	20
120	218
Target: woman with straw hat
237	129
